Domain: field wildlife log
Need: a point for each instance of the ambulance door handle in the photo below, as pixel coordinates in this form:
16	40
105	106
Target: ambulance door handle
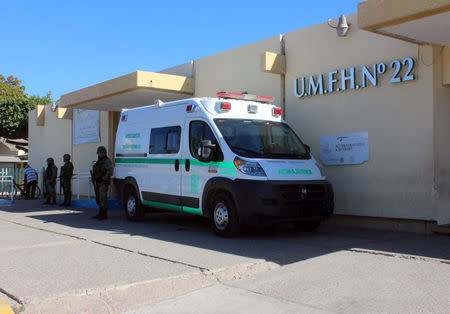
187	165
177	164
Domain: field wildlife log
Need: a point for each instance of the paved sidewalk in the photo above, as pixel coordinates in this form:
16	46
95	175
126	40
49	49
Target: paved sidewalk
58	260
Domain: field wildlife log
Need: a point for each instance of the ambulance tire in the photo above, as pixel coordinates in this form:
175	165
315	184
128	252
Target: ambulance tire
133	206
307	226
223	216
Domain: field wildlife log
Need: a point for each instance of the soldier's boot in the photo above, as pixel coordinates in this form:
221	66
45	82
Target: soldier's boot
63	203
102	214
99	214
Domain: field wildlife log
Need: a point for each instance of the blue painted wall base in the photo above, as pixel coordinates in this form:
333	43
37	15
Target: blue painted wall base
113	203
6	202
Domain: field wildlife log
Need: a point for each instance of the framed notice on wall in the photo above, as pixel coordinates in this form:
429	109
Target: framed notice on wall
344	149
86	126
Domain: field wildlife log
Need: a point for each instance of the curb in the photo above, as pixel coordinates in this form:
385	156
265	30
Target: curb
443	229
4	307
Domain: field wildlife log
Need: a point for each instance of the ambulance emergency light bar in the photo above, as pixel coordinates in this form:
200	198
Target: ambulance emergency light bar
241	96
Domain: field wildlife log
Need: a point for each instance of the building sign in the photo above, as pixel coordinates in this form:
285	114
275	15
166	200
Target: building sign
86	126
344	149
353	78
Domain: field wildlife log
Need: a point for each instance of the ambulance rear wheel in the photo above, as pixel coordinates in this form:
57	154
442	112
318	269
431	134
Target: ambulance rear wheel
133	207
223	216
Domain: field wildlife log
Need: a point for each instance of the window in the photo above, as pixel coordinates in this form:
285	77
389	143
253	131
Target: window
261	139
198	132
165	140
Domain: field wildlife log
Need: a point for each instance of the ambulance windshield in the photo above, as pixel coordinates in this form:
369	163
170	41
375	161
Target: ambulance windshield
261	139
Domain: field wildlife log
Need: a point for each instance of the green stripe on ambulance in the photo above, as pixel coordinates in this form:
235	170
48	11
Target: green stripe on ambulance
171	161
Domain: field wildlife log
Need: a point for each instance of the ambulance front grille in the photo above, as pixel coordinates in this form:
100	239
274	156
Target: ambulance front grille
305	193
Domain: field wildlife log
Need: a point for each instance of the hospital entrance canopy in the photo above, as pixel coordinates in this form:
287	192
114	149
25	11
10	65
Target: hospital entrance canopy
418	21
132	90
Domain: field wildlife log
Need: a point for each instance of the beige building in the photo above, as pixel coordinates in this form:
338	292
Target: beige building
390	77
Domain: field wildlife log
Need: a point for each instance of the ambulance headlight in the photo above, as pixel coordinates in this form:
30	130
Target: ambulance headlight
320	167
251	168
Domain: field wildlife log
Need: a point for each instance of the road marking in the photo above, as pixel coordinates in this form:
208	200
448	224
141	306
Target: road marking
5	308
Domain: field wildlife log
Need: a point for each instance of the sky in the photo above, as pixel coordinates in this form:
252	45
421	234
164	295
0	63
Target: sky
62	46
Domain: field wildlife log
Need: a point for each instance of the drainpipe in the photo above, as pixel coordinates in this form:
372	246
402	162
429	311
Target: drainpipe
283	81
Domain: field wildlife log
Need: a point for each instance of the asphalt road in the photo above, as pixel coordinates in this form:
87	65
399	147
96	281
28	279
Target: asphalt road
56	260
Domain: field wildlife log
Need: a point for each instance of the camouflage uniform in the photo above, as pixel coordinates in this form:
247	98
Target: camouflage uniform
66	179
102	172
50	175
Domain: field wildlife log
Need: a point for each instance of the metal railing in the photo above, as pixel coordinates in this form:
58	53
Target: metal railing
77	179
16	172
7	178
82	176
6	192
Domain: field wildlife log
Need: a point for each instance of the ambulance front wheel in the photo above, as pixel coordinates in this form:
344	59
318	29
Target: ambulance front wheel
133	207
223	216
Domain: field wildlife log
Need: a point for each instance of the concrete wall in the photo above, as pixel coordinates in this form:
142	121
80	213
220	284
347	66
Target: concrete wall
51	140
55	139
442	136
238	70
84	154
185	69
446	64
397	181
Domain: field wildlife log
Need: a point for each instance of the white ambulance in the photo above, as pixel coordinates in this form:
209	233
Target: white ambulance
231	159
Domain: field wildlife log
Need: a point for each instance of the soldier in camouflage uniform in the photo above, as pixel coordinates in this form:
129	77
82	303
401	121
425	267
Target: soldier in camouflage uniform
50	176
102	172
66	179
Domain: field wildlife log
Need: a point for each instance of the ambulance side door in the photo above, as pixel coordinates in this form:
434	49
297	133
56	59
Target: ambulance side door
162	173
197	171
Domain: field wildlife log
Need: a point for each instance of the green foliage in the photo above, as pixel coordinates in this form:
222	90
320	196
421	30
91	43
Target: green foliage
14	117
38	100
14	107
11	87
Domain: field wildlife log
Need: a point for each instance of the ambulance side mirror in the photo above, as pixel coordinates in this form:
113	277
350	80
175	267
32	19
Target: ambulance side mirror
307	148
207	150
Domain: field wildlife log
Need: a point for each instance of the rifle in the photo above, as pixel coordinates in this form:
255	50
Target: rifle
44	182
94	182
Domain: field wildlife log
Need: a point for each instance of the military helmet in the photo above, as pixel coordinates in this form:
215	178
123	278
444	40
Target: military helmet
101	149
66	156
50	160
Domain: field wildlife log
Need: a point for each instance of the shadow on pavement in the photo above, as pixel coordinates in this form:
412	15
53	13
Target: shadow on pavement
282	245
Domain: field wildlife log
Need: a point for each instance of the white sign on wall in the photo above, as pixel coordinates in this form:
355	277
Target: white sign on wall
86	126
344	149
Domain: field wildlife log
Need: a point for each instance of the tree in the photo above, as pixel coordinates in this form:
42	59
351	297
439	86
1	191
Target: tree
11	87
14	117
38	100
14	107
